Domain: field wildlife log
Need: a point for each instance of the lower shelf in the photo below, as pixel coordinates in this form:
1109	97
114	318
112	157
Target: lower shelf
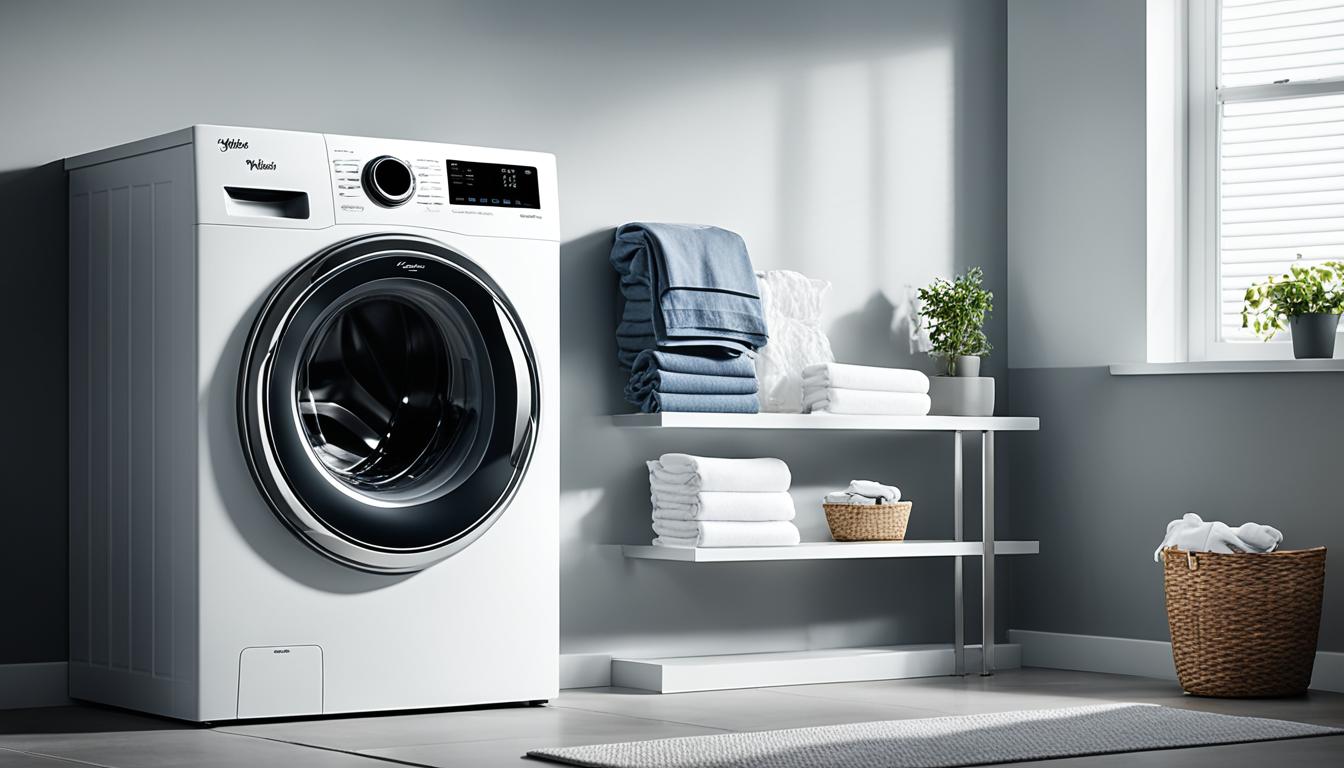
832	665
828	550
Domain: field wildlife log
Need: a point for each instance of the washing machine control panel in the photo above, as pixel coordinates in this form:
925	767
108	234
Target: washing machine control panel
285	179
471	190
370	180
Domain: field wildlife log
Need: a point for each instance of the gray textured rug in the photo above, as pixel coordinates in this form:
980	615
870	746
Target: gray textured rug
940	742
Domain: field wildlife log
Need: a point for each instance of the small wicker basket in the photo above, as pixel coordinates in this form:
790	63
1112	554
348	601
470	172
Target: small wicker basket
868	522
1244	624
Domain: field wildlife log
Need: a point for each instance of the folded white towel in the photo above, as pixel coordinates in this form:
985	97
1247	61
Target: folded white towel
875	490
723	505
1192	534
867	402
845	497
843	376
865	492
672	541
686	493
700	473
725	533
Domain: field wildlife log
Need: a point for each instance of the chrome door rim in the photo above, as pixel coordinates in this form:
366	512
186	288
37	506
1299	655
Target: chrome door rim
259	423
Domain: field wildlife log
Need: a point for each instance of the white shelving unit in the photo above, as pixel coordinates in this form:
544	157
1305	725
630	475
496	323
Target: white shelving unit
828	550
829	421
840	664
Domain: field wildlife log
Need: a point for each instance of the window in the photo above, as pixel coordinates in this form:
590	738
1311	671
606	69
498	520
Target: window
1266	155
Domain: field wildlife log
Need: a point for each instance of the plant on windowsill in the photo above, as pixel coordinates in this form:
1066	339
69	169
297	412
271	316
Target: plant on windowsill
1308	300
953	312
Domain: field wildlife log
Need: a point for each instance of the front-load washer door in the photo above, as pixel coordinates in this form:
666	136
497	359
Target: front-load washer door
388	402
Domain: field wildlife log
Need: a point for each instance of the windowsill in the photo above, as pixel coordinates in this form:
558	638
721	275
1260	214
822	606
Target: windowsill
1229	366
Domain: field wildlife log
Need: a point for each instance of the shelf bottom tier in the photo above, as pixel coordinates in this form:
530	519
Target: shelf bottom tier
831	665
828	550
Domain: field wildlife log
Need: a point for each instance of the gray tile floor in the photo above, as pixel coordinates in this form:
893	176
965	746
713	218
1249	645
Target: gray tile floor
51	738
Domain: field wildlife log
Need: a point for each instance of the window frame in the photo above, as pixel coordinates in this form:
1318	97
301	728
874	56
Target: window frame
1204	99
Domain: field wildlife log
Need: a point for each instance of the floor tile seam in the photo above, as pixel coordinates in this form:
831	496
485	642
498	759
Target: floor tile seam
337	750
576	708
46	756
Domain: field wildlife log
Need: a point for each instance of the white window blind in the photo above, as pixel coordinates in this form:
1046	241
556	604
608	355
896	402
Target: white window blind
1281	143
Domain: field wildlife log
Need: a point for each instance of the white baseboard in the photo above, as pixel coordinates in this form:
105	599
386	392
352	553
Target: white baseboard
33	685
585	670
1144	658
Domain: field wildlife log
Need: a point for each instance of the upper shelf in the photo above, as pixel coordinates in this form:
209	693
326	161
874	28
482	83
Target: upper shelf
829	421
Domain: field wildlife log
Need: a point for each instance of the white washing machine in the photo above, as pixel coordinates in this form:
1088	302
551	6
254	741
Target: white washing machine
313	452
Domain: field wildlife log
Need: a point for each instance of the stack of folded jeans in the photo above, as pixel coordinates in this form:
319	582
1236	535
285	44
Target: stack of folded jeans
708	502
673	381
865	390
692	308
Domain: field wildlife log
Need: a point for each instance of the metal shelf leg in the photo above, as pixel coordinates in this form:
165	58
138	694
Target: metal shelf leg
987	559
958	587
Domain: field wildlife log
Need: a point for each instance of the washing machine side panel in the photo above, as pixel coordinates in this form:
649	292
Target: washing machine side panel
479	627
132	495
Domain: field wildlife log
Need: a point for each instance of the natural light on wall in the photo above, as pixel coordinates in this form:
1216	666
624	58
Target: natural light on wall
1280	143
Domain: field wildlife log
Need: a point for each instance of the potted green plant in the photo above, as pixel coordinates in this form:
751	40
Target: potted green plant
1307	300
953	312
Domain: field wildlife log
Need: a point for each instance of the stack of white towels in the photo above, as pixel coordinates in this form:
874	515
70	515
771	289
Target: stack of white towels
710	502
865	390
865	492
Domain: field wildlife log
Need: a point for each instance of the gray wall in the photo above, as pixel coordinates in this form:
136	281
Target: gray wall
1118	457
1076	182
862	142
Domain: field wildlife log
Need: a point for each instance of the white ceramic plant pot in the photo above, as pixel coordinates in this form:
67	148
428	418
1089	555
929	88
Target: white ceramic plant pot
962	395
967	366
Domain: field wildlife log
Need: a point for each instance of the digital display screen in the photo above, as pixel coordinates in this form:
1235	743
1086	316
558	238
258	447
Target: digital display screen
499	186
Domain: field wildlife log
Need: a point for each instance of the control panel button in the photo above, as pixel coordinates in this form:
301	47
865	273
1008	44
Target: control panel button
388	181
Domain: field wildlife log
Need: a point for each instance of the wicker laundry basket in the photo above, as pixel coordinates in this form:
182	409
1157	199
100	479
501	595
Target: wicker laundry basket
868	522
1244	624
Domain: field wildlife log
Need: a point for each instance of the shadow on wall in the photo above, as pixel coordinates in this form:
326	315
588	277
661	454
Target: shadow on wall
875	335
33	316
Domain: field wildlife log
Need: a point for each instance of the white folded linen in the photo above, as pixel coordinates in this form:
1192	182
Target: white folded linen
867	402
726	533
844	376
700	473
723	505
672	541
875	490
845	497
865	492
1192	534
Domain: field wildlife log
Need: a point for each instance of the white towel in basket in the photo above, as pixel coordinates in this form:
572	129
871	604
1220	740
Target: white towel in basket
1192	534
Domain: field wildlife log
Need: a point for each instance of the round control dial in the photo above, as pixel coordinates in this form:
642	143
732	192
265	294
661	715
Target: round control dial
388	181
